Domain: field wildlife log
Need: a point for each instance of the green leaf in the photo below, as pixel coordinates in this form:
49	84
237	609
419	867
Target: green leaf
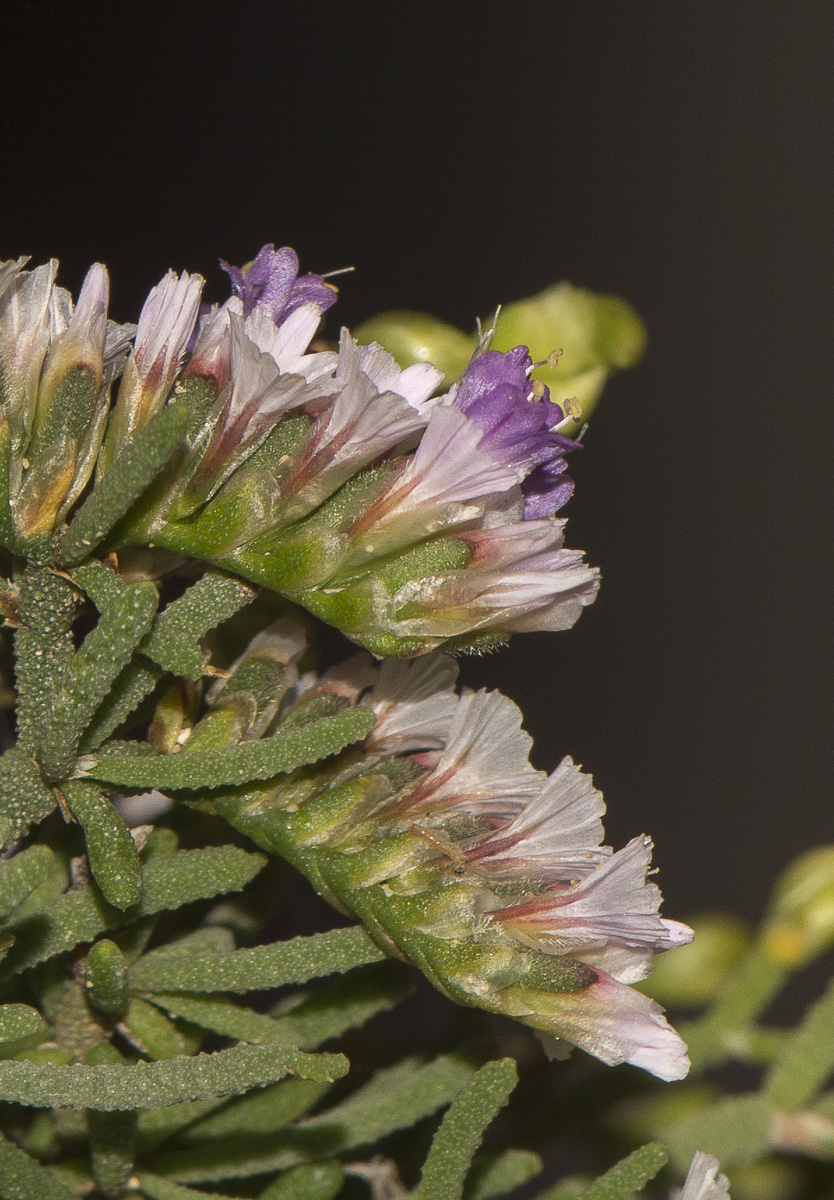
47	606
172	643
169	882
158	1124
735	1130
156	1188
807	1060
21	1178
295	961
112	1146
495	1175
90	673
102	583
21	874
134	469
223	1017
748	991
18	1021
114	860
630	1175
346	1004
314	1181
152	1033
157	1084
239	764
462	1129
572	1187
257	1114
24	797
393	1099
7	534
133	684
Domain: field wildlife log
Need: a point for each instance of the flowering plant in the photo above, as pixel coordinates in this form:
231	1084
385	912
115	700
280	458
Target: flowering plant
181	499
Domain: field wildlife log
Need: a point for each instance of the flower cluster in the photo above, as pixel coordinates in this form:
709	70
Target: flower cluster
407	517
443	838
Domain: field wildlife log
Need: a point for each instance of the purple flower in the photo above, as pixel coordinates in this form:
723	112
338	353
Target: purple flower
520	425
272	283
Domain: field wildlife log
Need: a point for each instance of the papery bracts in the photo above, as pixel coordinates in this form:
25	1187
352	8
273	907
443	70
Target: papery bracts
408	517
436	832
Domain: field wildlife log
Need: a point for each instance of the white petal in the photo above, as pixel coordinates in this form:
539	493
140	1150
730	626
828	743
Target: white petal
485	766
542	591
555	836
415	703
617	1024
449	465
166	323
608	918
9	270
351	677
703	1180
288	342
416	383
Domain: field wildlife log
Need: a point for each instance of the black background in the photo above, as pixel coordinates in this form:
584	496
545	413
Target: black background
677	153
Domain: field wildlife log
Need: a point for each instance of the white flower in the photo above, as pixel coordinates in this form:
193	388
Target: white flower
415	703
361	425
608	918
617	1024
76	334
24	340
162	335
703	1180
484	769
556	836
520	578
447	482
166	323
415	383
288	342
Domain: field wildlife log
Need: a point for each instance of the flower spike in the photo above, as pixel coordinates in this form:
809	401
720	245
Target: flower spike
410	518
438	833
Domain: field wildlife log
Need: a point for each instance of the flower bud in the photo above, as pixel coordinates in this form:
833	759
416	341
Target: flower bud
71	406
415	337
165	327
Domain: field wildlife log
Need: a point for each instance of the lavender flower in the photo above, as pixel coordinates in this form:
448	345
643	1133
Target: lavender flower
520	423
272	283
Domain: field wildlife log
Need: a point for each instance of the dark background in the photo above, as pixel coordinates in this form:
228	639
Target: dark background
677	153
